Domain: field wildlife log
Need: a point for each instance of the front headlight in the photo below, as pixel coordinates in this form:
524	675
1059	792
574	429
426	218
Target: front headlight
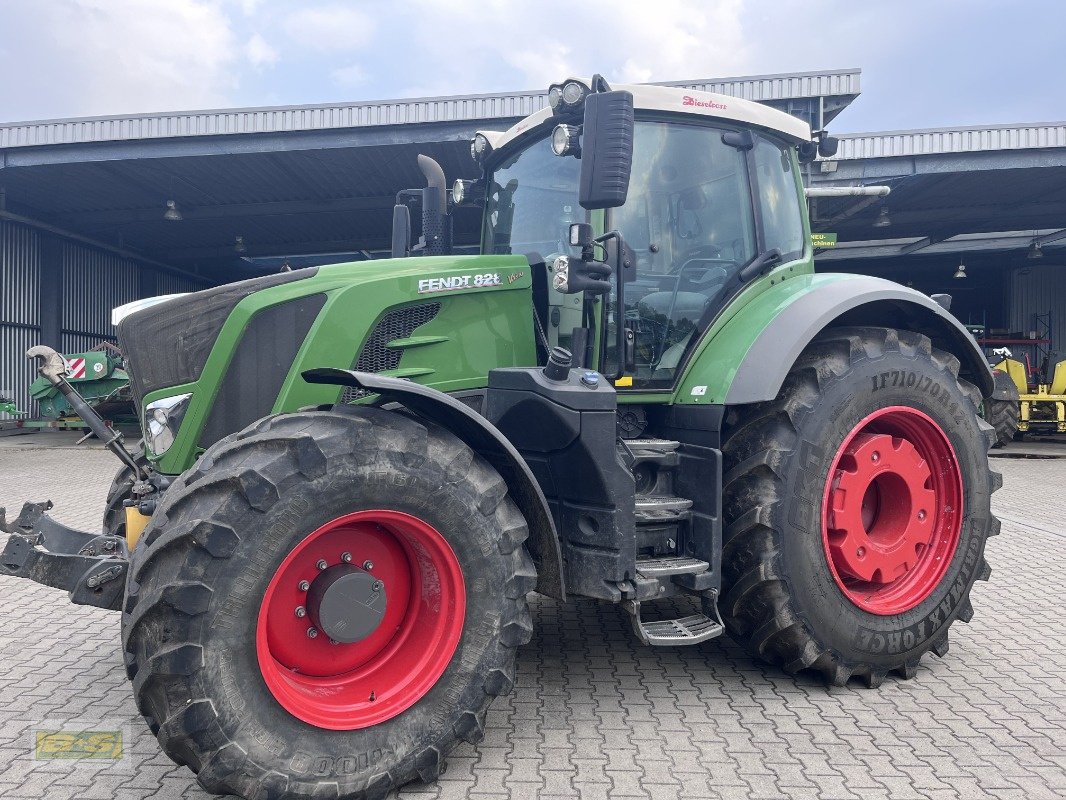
162	418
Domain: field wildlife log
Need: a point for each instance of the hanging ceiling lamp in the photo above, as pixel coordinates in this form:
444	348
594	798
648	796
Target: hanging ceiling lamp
173	213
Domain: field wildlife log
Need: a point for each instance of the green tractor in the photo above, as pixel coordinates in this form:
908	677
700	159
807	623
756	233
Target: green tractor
639	390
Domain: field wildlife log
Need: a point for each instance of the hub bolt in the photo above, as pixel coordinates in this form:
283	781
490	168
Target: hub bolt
875	457
368	565
322	563
378	586
312	633
301	612
921	514
860	552
346	558
304	586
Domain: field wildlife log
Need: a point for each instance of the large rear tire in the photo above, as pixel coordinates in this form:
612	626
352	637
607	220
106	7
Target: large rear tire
237	568
856	508
1003	415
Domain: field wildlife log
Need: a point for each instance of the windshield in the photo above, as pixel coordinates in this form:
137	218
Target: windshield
532	200
688	217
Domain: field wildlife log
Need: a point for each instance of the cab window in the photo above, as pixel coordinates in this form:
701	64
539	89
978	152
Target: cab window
690	221
779	206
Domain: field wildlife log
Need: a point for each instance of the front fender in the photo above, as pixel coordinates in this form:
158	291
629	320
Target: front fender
747	358
484	438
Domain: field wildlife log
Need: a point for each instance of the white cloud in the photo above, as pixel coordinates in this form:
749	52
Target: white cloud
259	52
329	28
118	56
625	40
349	76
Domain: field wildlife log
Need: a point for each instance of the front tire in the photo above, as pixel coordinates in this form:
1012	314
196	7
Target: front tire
236	569
856	506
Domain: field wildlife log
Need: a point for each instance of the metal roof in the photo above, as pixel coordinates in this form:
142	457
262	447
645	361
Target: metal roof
842	84
939	141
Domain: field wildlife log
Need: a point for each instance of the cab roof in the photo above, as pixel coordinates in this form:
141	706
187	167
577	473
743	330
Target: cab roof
683	101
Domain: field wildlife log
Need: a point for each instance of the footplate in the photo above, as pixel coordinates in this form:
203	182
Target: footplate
692	629
92	567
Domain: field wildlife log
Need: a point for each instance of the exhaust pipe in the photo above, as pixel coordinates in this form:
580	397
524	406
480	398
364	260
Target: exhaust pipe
436	224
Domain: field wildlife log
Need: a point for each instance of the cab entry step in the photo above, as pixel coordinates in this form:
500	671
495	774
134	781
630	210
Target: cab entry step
692	629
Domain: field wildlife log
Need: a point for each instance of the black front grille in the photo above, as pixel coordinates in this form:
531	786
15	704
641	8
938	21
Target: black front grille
375	356
260	364
168	345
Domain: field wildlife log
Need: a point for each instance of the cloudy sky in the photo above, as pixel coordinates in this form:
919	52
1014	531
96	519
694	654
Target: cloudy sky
925	62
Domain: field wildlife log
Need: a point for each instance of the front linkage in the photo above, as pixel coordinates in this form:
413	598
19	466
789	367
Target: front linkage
92	567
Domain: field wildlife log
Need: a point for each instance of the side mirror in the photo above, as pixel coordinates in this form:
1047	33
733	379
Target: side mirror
401	231
606	150
827	146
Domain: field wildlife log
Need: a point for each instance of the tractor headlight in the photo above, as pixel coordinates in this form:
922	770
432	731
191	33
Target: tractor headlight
458	191
566	140
561	274
162	418
566	98
479	148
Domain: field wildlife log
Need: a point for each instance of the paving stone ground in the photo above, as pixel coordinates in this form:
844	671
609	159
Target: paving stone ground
596	715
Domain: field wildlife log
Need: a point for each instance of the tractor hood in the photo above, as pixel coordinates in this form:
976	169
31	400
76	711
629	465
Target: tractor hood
238	350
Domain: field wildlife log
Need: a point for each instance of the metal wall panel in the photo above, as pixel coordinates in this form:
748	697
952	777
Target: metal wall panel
168	283
952	140
16	371
82	342
1038	290
385	112
20	273
94	282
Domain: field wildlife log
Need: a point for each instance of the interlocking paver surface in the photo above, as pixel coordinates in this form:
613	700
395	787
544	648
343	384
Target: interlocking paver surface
596	715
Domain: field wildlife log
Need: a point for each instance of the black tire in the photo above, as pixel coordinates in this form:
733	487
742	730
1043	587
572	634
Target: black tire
781	599
1003	415
199	576
114	523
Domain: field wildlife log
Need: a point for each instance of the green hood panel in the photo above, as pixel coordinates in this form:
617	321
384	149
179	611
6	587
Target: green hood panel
479	311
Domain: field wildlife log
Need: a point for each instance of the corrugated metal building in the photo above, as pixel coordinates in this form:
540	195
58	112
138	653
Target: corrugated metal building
58	291
82	201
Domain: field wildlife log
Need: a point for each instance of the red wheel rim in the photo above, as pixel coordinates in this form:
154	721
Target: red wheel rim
892	510
345	686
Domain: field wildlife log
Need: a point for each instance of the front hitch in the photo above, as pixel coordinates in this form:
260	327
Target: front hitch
92	567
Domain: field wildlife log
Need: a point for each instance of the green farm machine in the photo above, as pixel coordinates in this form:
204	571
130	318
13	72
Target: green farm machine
639	390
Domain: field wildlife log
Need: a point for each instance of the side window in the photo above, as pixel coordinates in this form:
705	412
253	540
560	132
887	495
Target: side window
777	199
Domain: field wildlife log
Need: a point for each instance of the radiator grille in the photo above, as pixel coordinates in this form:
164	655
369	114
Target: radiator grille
375	356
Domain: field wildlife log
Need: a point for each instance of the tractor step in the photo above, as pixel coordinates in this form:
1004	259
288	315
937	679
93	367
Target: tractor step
692	629
652	510
664	566
655	445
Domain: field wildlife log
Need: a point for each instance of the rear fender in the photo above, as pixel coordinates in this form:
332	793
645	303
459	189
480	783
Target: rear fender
482	437
748	358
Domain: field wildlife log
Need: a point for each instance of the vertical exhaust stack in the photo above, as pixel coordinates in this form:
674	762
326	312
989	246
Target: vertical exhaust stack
436	223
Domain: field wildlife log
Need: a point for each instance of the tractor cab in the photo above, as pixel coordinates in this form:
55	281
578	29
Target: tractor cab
683	202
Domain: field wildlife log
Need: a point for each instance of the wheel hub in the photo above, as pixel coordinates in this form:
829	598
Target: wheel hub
346	603
880	508
892	510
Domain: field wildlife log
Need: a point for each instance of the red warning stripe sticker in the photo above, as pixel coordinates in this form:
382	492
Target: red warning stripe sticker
77	367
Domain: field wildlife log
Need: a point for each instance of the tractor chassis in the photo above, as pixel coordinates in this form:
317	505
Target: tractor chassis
91	567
